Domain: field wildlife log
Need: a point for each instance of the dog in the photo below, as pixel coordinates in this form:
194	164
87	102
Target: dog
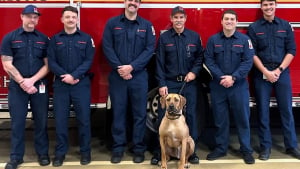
175	140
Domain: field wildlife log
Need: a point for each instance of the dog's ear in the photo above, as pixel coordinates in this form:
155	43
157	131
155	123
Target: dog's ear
163	101
182	101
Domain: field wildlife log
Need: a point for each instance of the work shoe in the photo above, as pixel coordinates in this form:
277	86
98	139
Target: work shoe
116	157
138	157
44	160
194	159
215	155
248	158
264	154
13	164
58	161
293	152
155	158
85	159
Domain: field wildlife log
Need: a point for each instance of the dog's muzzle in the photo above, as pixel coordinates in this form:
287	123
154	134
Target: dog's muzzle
173	113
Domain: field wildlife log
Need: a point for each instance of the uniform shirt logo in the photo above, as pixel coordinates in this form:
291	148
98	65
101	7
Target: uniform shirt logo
250	44
240	46
170	44
141	30
40	43
153	30
280	31
17	41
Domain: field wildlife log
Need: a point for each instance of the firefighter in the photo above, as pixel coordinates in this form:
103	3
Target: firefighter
229	57
179	61
70	54
23	55
128	44
274	43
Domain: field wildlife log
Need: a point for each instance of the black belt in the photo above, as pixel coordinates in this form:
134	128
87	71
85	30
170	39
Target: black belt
180	78
177	78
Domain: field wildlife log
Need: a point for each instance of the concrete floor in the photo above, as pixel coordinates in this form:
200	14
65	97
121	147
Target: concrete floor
101	154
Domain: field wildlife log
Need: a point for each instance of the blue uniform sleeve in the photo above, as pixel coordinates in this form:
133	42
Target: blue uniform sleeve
160	64
6	46
290	41
108	48
142	60
82	69
246	61
52	61
197	66
252	36
210	60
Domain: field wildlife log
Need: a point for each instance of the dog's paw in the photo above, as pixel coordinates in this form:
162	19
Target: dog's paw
187	165
165	167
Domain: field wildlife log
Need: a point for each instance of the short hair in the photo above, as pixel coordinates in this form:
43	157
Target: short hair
70	8
261	1
230	11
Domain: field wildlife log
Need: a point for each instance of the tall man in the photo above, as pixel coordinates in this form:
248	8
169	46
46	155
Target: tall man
274	43
128	44
179	60
229	57
23	55
70	54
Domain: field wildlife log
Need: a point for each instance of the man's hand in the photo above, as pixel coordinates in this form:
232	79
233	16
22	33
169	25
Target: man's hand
69	79
26	84
127	77
227	81
272	76
163	91
190	76
124	70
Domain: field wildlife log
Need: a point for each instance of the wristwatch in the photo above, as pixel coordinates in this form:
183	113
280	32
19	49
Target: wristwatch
280	68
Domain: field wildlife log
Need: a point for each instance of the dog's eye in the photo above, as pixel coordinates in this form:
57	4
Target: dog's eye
177	100
168	99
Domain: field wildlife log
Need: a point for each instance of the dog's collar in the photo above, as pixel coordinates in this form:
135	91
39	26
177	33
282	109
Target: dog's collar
173	117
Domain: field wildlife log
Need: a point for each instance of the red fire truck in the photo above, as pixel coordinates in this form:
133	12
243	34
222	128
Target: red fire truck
204	16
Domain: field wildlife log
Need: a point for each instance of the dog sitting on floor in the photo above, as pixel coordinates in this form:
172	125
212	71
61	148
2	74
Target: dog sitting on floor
175	140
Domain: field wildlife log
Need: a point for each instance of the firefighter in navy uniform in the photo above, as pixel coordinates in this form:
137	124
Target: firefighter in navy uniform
128	44
23	54
229	57
179	61
274	43
70	55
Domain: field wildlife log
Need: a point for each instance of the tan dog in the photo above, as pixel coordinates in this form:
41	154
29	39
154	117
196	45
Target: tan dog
174	136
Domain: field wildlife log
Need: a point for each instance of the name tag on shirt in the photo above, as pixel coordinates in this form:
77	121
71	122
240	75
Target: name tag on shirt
264	77
42	88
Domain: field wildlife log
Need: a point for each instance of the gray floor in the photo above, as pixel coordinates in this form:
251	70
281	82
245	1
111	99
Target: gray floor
101	155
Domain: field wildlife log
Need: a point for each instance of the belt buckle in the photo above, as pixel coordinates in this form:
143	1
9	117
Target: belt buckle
179	78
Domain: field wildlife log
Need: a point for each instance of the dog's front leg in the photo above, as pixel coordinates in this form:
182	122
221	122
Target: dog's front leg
163	153
183	153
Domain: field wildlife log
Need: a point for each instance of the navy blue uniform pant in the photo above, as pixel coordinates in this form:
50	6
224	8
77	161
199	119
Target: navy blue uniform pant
18	107
233	100
79	96
283	94
124	93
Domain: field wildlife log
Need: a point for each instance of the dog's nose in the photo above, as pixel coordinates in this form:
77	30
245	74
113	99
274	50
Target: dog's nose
171	107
